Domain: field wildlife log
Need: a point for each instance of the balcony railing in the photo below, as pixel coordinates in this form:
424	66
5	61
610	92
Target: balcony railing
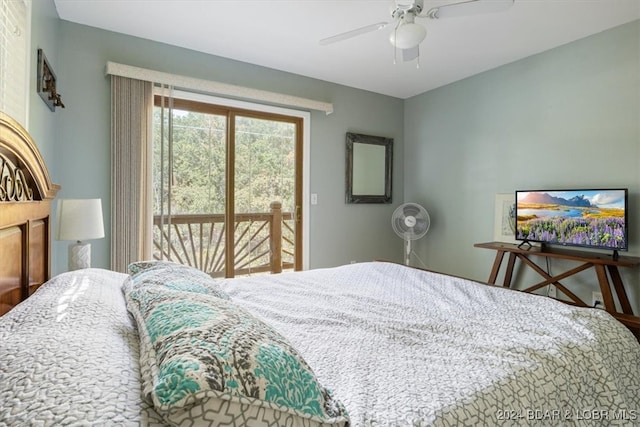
263	242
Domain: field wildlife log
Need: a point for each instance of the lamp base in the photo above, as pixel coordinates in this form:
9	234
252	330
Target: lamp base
79	256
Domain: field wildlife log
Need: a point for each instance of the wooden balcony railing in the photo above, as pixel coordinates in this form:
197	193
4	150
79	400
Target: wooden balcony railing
263	242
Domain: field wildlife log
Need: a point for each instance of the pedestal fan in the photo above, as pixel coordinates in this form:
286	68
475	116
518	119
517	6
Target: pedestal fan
410	221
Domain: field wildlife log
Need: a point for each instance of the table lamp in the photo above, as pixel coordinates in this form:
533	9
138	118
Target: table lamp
80	219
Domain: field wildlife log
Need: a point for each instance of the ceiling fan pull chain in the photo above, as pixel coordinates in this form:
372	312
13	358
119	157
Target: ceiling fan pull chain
395	48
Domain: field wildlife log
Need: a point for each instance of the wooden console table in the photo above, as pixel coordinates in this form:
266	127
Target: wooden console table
600	262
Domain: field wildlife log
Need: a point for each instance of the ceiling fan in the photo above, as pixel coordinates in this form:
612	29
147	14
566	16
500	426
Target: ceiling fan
406	34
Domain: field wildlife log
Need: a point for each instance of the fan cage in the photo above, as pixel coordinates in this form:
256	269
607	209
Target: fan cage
423	221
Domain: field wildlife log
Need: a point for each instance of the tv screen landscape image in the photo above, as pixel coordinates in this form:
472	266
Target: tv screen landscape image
587	218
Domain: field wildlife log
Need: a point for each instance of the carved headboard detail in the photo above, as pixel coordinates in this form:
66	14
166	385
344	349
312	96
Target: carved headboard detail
13	184
26	193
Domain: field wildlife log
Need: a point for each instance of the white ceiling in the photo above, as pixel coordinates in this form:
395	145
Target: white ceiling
284	35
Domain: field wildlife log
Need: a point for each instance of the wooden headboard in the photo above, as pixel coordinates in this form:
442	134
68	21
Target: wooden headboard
26	193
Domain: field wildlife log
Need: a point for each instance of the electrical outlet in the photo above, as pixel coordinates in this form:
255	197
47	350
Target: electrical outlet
551	292
596	300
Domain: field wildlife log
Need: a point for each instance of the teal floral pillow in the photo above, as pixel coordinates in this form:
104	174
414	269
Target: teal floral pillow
205	358
172	276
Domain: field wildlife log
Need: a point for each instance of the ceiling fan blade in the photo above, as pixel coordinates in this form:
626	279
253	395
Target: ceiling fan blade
353	33
472	7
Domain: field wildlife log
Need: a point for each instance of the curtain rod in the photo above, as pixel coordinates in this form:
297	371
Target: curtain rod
218	88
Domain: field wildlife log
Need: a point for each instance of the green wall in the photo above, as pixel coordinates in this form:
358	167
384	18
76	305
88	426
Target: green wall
565	118
42	123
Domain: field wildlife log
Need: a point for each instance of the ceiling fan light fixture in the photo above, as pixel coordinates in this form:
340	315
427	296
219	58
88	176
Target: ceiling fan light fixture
408	35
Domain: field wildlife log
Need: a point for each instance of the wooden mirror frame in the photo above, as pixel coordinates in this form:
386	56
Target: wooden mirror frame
387	143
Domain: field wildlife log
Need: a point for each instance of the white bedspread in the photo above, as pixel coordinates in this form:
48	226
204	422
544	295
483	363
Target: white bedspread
402	347
69	356
399	347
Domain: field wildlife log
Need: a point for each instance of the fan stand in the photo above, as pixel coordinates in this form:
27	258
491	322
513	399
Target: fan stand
407	245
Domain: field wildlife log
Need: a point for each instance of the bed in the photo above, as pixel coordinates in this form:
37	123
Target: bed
367	344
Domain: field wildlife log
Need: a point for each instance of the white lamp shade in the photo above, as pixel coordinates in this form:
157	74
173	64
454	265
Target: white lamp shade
408	35
80	219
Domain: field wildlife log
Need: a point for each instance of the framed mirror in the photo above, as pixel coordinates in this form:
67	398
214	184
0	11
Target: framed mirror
369	168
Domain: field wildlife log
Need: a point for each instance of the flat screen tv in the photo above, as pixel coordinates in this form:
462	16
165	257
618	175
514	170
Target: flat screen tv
595	218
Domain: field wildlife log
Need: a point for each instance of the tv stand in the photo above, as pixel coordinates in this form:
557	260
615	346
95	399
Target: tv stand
525	242
601	263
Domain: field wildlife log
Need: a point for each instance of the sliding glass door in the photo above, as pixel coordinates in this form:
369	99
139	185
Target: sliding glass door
227	188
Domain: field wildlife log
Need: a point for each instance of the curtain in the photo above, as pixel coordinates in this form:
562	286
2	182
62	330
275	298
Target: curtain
131	145
164	178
